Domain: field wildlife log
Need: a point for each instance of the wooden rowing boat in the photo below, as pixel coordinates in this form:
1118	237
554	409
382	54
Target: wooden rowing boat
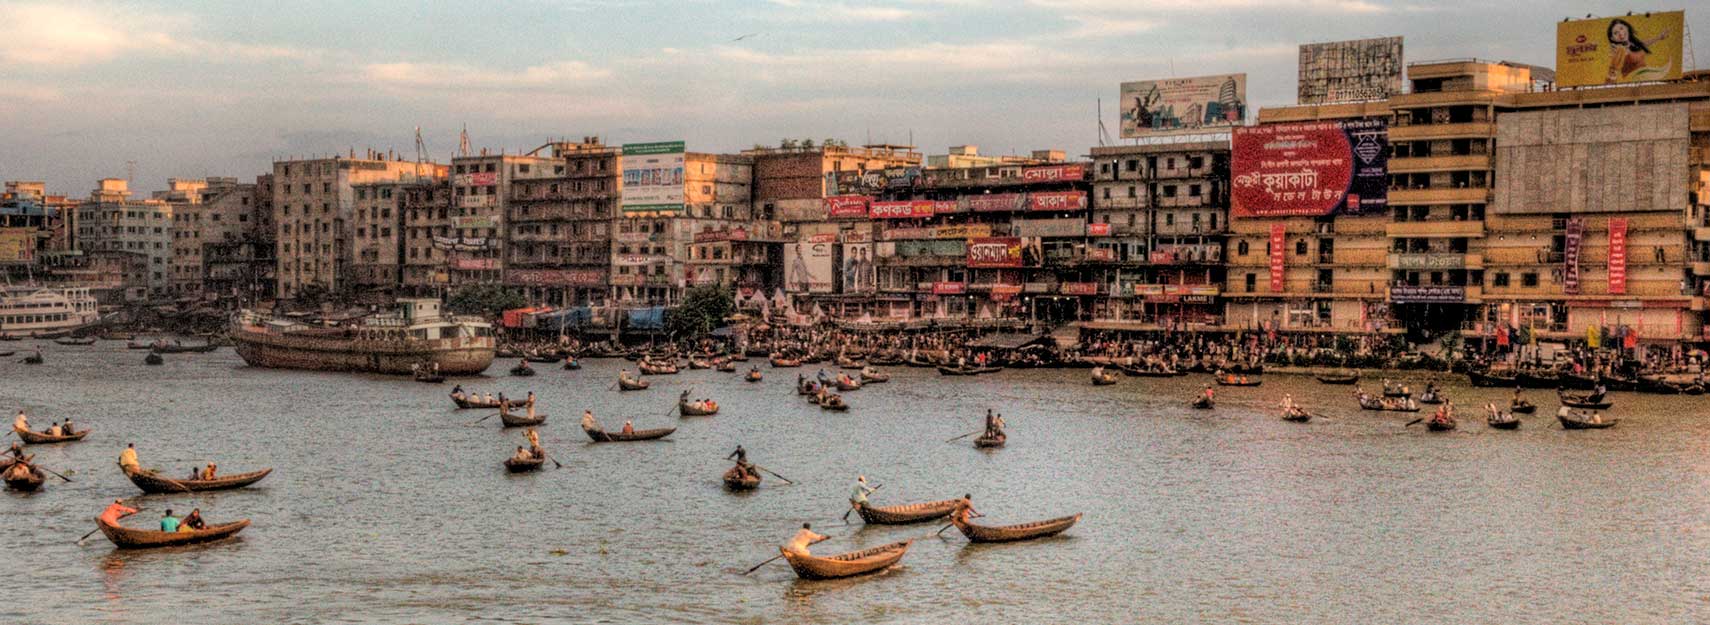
874	378
697	409
846	564
996	440
1583	401
466	403
849	384
1522	407
1440	425
516	465
1297	416
1203	403
522	370
38	438
1503	421
752	376
637	384
521	420
906	513
1338	379
28	483
1103	377
76	342
602	436
1581	420
1373	403
154	359
127	538
833	402
735	479
151	482
1224	380
1011	533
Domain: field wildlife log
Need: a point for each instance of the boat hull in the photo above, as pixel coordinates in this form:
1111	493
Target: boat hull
459	356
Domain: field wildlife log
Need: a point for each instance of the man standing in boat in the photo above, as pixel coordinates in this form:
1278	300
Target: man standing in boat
21	423
741	456
588	422
806	536
964	509
858	496
128	458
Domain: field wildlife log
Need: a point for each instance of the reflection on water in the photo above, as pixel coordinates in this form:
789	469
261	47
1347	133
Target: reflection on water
387	507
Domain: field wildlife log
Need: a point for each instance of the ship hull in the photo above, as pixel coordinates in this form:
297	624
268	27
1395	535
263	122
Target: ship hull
458	356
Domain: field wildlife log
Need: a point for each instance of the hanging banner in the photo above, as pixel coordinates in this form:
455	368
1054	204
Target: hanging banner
1570	255
1618	256
1279	240
994	202
990	252
846	206
1310	169
907	209
858	270
1054	173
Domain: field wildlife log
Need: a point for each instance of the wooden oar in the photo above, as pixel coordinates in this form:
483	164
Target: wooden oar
756	567
51	471
482	419
555	462
785	479
964	436
1410	423
98	526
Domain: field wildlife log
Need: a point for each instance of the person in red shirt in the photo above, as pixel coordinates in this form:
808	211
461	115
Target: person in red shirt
115	511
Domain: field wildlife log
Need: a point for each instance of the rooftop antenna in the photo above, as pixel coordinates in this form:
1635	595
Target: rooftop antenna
421	151
131	173
1103	134
463	141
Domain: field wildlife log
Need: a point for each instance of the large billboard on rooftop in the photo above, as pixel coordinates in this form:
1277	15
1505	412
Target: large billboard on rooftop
1183	105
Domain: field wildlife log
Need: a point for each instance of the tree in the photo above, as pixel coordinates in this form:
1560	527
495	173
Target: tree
484	299
703	309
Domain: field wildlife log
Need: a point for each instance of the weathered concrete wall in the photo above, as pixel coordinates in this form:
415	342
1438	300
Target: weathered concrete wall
1629	158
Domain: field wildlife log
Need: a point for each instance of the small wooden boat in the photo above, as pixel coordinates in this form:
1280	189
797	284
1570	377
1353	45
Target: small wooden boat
699	364
1148	372
38	438
906	513
780	362
470	403
1396	391
428	377
76	342
1503	421
949	370
656	368
636	384
602	436
1390	404
1342	380
1538	378
1296	415
27	483
522	370
127	538
846	564
833	403
7	353
874	378
7	461
1203	403
33	359
184	349
737	479
1522	406
725	366
517	465
521	420
151	482
1440	425
1103	377
1230	380
807	387
1584	401
697	409
849	363
753	375
572	364
847	384
1430	397
991	440
1011	533
541	358
1583	419
1492	379
154	358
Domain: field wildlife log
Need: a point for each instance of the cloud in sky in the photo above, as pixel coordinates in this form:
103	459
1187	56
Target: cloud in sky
189	89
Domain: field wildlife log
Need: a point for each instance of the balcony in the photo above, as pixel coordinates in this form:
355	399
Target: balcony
1435	229
1428	261
1469	195
1118	200
1421	132
1422	164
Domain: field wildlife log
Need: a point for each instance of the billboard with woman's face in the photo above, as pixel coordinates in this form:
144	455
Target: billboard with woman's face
1616	50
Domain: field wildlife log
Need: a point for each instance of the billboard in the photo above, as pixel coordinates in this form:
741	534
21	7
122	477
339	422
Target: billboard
846	206
653	177
556	277
808	266
994	202
904	209
1618	50
17	245
1057	201
1183	105
1310	169
990	252
1349	71
859	272
1054	173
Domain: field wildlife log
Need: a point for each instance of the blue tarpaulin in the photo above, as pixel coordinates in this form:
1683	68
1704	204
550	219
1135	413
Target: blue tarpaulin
647	318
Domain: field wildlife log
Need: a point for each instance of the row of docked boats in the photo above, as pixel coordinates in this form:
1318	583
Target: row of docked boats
1551	378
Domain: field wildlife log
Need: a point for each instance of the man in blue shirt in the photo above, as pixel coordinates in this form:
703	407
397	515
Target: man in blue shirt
168	523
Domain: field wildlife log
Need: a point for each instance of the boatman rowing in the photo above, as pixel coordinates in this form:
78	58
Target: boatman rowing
128	459
806	536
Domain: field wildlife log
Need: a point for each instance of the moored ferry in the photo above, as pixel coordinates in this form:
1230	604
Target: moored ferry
45	312
417	333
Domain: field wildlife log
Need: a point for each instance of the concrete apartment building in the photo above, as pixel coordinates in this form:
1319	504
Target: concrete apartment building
427	238
1160	213
314	204
560	227
651	256
377	265
481	191
192	221
238	265
110	222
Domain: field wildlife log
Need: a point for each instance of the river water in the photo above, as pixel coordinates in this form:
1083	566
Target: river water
385	507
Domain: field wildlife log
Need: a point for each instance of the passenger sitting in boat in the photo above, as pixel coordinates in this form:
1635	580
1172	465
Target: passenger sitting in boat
53	430
195	473
20	469
523	455
799	543
193	521
1597	394
490	399
115	511
457	392
128	458
208	473
628	427
65	428
168	523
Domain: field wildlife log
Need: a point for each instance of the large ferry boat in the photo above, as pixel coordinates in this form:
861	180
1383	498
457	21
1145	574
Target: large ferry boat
45	312
417	333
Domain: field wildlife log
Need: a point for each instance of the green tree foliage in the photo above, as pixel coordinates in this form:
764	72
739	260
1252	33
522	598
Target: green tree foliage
704	308
484	299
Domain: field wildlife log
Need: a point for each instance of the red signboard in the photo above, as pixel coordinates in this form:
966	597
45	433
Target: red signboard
1057	201
1309	169
910	209
949	288
941	207
986	252
1078	288
846	206
556	277
1102	254
1618	256
485	178
1278	241
1098	230
1054	173
995	202
823	237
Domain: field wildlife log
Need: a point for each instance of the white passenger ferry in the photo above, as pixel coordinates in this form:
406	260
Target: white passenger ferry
45	312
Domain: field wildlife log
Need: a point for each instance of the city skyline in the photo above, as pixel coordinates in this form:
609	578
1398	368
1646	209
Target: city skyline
233	92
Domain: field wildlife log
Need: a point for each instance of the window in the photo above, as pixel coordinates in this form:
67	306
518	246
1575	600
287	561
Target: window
1252	281
1193	190
1169	190
1300	247
1169	219
1196	162
1107	193
1529	280
1242	248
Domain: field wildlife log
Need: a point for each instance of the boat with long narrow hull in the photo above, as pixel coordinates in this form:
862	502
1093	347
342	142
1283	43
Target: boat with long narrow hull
151	482
38	438
907	513
418	335
128	538
1011	533
846	564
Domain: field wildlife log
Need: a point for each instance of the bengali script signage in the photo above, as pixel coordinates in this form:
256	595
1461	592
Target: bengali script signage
1078	288
846	206
730	234
1279	240
1101	254
477	221
1054	173
1570	254
991	252
1050	227
1427	294
1183	105
994	202
1618	256
1310	169
907	209
949	288
485	178
1098	230
1617	50
962	231
1430	261
1057	201
556	277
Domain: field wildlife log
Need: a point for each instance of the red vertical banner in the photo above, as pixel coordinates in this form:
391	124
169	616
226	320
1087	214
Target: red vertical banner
1278	242
1618	256
1570	255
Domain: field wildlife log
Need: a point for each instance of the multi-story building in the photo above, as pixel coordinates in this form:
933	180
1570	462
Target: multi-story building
1160	212
203	211
377	266
560	227
481	190
651	259
239	267
111	221
314	202
428	240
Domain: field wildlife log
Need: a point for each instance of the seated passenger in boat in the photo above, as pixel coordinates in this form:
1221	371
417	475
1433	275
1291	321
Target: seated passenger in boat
193	521
628	427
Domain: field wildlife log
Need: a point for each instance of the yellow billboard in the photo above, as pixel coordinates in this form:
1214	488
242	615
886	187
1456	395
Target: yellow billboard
1616	50
17	245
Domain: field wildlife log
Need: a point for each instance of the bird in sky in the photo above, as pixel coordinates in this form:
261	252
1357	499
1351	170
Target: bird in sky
745	37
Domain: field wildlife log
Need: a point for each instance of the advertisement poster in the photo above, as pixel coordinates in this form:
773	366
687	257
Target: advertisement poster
807	266
1183	105
653	177
1279	240
1310	169
1570	254
1618	50
989	252
1618	256
846	206
858	269
1350	71
17	245
1057	201
906	209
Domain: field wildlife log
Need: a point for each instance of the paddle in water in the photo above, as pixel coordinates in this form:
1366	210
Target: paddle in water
785	479
964	436
1410	423
98	526
477	421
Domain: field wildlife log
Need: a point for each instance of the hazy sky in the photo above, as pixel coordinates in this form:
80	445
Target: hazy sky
195	89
